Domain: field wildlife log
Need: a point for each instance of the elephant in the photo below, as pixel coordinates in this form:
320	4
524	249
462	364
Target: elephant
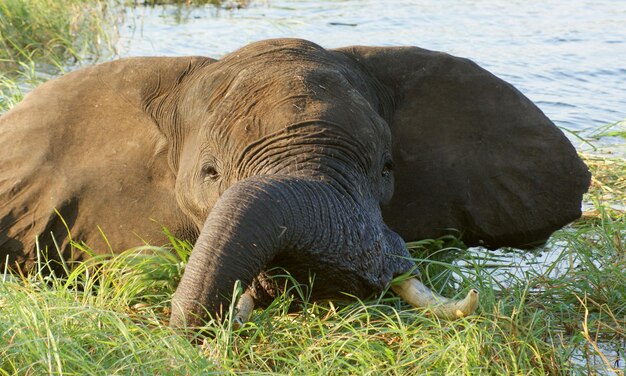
283	154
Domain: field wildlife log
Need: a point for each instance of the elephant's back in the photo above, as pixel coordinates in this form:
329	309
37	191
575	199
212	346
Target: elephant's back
80	154
26	186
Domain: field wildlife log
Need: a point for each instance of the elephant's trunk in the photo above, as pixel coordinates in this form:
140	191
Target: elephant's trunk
312	226
305	220
240	236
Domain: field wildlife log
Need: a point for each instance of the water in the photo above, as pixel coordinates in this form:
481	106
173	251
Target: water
569	57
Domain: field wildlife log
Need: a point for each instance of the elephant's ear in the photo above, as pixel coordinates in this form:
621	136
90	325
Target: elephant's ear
92	146
472	153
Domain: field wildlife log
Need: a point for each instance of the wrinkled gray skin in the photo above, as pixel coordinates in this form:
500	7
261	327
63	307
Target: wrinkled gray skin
282	154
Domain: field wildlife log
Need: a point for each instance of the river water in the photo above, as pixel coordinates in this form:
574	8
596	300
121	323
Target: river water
569	57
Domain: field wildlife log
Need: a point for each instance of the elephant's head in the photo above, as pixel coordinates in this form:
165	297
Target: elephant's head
284	161
284	154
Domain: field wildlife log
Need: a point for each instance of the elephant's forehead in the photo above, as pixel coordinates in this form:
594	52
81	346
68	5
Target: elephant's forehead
270	92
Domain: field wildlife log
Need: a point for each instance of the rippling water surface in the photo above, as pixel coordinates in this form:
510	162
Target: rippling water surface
569	57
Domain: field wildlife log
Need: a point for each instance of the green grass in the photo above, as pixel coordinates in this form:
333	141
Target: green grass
52	32
41	38
110	316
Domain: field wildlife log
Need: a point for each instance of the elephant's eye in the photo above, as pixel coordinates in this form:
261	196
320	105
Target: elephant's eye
387	168
210	172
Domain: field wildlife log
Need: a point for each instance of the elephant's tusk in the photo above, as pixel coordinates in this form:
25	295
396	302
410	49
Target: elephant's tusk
416	294
243	310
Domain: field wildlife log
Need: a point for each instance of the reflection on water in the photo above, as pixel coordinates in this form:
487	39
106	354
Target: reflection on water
569	57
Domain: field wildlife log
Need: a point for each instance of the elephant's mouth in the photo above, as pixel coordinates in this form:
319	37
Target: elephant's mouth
304	226
411	290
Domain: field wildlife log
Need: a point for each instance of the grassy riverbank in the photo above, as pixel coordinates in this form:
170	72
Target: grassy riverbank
41	38
563	314
52	32
110	316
